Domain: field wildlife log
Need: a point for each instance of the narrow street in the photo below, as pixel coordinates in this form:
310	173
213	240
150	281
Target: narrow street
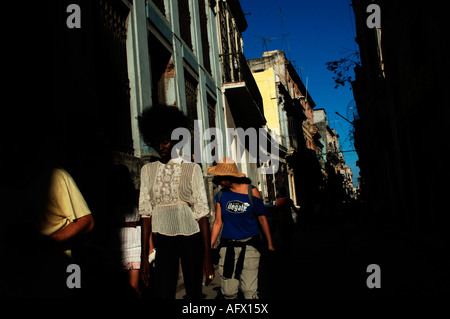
323	105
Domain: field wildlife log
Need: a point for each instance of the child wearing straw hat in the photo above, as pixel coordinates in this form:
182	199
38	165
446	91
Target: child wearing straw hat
239	207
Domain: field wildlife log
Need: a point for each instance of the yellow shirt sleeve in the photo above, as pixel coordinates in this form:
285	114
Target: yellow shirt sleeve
65	203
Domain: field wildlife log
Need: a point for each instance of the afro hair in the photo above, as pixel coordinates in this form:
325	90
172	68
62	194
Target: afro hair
160	120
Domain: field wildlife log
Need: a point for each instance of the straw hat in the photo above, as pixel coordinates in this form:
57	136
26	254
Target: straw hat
225	167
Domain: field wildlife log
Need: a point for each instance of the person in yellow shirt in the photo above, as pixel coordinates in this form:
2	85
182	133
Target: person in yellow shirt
66	216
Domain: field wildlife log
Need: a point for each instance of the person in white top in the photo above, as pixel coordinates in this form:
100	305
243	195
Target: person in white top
174	209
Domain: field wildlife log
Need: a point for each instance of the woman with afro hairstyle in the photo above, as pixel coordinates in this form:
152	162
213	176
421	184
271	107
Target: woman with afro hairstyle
174	210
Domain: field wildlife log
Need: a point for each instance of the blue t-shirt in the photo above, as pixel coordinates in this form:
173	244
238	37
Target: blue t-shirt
238	217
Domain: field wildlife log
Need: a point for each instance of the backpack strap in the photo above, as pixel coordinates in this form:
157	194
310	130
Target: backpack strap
250	194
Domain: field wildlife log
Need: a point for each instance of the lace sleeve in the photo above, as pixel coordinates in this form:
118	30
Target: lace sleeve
145	207
200	203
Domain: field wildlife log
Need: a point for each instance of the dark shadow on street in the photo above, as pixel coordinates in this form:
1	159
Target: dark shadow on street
328	259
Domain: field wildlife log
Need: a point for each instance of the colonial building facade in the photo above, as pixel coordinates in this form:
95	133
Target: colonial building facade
289	112
131	55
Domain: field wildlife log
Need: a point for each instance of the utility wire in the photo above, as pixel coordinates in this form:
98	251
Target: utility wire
336	152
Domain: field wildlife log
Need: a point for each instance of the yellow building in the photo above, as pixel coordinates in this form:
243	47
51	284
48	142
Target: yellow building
266	84
288	110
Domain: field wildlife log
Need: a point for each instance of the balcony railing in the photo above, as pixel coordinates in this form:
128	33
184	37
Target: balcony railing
235	69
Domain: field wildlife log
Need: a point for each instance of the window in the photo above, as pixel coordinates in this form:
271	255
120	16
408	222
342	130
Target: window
204	35
191	91
191	87
111	71
185	21
160	5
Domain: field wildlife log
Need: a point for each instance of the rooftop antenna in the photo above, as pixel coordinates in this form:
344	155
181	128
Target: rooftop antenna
298	69
283	35
264	42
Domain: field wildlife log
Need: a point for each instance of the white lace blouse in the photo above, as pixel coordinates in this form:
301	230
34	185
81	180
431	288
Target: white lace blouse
173	194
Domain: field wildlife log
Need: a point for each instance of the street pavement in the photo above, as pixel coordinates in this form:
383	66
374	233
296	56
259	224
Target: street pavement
212	291
330	260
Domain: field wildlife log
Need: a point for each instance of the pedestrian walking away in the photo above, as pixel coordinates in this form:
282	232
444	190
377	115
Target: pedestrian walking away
285	222
125	233
239	207
174	209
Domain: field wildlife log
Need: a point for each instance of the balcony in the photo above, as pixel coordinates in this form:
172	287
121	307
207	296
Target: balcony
241	90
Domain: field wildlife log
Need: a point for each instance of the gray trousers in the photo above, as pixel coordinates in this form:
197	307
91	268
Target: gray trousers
249	274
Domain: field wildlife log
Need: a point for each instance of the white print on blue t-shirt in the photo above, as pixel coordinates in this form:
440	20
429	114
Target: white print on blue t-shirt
239	216
236	206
